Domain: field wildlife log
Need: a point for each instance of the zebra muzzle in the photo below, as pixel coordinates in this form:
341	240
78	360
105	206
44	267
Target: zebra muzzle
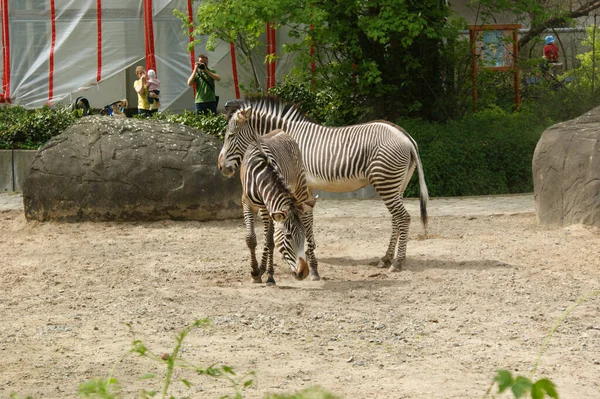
226	168
302	269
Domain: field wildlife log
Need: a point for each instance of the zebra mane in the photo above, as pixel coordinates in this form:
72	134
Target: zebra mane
281	183
263	105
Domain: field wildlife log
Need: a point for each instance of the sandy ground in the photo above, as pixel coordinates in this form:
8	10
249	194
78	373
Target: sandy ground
477	294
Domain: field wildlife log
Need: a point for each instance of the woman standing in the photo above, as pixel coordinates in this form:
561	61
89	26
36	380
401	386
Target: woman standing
141	88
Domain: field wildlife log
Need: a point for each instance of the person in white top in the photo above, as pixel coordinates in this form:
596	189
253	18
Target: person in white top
153	90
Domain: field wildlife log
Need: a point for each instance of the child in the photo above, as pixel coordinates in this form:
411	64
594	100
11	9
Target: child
116	109
153	89
550	50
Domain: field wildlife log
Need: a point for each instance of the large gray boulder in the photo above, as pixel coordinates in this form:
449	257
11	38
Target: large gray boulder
111	169
566	172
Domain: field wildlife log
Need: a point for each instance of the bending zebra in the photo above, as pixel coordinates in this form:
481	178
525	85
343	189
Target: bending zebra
338	159
274	184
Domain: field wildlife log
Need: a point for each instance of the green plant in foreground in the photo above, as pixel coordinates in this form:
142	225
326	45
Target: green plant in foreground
520	385
108	388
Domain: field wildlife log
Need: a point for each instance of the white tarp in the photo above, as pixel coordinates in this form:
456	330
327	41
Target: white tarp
49	65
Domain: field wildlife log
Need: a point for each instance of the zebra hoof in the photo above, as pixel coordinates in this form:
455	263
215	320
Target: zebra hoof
395	268
384	263
271	283
315	277
396	265
256	280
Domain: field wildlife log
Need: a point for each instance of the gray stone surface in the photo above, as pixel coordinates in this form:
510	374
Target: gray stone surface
566	172
21	166
105	169
6	171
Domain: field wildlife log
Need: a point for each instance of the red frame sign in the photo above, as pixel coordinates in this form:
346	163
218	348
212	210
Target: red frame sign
495	47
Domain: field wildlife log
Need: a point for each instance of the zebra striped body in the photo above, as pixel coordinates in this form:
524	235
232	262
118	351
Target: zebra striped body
338	159
274	185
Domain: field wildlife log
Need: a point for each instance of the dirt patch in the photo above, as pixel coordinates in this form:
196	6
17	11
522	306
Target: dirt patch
477	294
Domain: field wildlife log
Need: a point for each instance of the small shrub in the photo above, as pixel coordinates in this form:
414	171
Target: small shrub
30	129
322	106
207	123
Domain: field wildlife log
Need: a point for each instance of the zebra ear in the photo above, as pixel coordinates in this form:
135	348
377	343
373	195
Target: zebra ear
279	216
242	115
309	204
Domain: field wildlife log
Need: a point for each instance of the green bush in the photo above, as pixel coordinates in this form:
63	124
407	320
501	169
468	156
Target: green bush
207	123
489	152
30	129
324	107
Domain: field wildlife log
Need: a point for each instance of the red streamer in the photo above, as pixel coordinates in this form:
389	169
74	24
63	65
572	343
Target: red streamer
52	49
5	95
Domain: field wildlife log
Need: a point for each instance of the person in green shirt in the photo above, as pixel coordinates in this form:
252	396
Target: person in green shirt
203	79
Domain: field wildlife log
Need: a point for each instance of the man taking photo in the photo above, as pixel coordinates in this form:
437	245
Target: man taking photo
204	80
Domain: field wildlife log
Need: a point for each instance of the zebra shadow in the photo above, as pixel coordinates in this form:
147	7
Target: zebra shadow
419	265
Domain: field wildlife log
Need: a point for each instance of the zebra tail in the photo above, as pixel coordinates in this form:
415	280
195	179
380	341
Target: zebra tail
423	194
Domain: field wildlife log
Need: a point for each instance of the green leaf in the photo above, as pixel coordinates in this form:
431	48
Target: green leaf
521	386
186	383
504	380
541	386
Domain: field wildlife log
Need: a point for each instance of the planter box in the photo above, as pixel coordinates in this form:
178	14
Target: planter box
14	168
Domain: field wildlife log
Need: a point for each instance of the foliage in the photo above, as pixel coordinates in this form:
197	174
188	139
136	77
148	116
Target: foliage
521	385
538	14
108	388
586	77
207	122
323	106
488	152
384	56
30	129
233	21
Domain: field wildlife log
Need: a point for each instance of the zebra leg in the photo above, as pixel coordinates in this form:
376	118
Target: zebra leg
396	252
403	224
307	222
266	263
251	243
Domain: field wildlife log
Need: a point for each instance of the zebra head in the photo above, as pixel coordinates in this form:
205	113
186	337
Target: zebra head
290	237
238	137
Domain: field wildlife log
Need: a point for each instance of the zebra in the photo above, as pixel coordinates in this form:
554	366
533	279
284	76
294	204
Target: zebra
337	159
274	185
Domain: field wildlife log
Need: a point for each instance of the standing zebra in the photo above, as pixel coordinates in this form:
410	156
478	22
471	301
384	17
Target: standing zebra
338	159
274	184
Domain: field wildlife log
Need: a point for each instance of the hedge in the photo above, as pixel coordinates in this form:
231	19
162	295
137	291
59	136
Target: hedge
486	153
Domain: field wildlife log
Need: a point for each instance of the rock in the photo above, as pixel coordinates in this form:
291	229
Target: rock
566	172
112	169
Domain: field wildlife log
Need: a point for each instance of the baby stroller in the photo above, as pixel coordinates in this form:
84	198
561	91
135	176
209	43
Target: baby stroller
116	109
83	104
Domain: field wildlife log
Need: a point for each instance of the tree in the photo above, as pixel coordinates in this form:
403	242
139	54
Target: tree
540	14
384	56
231	21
